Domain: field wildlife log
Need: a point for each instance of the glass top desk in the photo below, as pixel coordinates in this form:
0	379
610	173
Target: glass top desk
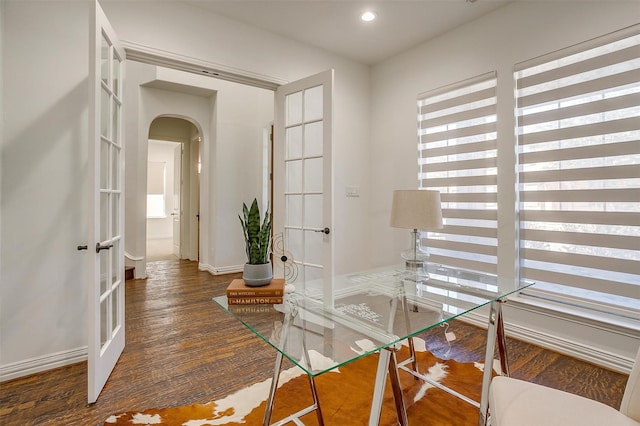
374	311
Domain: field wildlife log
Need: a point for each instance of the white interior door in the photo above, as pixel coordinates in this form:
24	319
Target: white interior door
177	201
106	206
303	183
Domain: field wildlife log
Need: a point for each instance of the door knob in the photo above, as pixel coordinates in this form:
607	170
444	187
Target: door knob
324	231
101	247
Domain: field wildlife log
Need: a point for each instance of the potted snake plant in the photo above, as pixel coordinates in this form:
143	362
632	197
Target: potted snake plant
258	270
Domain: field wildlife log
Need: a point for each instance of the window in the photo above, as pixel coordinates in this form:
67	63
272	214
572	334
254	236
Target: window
578	127
457	156
156	176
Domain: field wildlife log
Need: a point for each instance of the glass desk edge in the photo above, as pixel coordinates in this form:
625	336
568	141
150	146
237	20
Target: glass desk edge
222	302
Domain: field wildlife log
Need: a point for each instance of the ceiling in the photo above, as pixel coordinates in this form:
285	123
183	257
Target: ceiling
335	25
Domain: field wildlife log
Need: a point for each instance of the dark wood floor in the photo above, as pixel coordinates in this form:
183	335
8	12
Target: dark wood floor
181	349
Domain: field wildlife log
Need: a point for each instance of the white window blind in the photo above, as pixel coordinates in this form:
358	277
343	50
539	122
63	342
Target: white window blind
457	156
578	126
156	176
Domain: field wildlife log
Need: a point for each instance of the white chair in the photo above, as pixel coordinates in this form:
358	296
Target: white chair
514	402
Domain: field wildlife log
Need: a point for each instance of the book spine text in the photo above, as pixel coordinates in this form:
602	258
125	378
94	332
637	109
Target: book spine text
251	300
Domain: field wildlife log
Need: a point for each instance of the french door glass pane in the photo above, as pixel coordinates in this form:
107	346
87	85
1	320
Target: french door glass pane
115	198
313	104
294	176
104	271
313	211
114	311
104	324
116	75
115	176
104	216
294	210
294	240
114	263
115	125
104	112
313	139
313	247
104	164
104	56
293	109
294	143
313	175
312	273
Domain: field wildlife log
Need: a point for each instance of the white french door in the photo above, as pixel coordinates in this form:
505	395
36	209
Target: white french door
106	205
303	182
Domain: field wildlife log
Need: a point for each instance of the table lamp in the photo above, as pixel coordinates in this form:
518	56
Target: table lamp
416	210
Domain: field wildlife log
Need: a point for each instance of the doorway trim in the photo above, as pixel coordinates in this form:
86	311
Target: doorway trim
153	56
148	55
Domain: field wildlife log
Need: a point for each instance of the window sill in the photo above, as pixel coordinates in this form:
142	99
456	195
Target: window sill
608	322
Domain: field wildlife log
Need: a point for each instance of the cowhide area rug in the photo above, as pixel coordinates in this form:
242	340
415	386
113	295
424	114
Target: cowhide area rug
344	393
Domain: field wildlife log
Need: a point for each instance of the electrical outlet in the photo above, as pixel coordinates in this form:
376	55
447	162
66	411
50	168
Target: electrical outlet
352	191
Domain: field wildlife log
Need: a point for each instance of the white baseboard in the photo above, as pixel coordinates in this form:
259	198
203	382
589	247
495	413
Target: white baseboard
220	270
132	257
47	362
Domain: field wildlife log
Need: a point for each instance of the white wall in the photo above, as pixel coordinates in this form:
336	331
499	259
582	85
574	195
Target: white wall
497	41
43	299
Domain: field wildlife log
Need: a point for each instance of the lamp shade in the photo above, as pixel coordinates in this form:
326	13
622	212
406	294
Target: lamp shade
416	209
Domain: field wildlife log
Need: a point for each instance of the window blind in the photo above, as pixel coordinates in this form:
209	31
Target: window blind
578	127
156	171
457	156
156	177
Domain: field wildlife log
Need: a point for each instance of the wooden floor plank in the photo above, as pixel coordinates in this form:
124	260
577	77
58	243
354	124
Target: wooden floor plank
181	348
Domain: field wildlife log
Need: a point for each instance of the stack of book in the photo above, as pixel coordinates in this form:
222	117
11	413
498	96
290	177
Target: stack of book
238	293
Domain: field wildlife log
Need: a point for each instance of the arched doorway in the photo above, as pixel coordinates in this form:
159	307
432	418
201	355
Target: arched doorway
173	188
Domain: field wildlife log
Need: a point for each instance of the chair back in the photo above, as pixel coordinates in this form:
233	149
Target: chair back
630	406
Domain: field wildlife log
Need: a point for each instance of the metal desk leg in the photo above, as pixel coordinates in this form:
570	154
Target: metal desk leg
387	363
266	420
316	401
401	410
312	383
378	390
502	344
495	323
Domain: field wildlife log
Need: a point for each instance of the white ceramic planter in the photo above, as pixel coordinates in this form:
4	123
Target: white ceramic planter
257	275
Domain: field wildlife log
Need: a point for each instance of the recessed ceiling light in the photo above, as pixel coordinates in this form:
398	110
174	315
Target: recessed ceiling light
368	16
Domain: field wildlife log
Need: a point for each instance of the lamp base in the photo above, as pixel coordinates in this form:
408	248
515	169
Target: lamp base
419	267
416	256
